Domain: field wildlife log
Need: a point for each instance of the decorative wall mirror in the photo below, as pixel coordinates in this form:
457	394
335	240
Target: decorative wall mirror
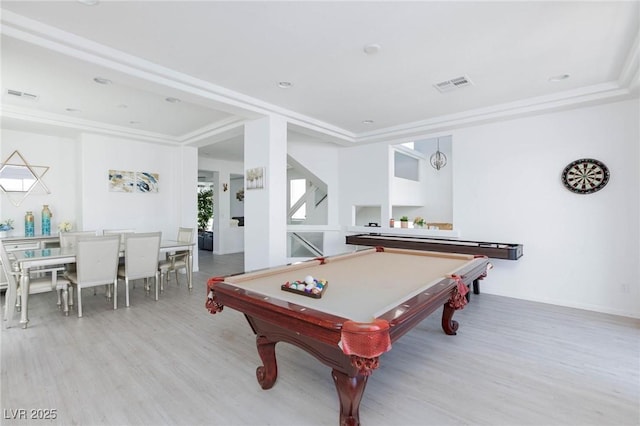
18	178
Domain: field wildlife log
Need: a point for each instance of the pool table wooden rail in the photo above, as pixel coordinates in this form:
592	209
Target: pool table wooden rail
424	304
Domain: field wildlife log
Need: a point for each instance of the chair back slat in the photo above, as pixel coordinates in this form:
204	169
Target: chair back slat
68	239
97	260
141	251
121	232
185	235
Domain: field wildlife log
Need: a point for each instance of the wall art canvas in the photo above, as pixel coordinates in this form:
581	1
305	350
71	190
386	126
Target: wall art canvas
256	178
121	181
125	181
147	182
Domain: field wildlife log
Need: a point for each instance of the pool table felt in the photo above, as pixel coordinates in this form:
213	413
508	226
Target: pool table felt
362	285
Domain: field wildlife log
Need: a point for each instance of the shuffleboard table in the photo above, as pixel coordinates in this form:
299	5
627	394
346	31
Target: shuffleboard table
371	298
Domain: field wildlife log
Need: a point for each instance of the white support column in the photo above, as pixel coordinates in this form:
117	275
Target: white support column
265	210
186	182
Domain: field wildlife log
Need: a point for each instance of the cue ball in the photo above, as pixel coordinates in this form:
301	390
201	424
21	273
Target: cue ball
309	279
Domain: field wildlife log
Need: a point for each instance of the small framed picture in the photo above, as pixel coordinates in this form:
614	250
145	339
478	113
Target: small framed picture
255	178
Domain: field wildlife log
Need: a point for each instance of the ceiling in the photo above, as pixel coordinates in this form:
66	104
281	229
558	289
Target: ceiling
223	61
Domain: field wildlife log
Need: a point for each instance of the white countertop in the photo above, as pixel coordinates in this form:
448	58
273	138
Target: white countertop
419	232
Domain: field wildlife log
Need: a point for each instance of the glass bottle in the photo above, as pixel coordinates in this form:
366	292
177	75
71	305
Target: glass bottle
46	220
29	224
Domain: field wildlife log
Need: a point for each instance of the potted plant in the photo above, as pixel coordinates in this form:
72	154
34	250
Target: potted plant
5	227
205	208
404	222
418	222
205	213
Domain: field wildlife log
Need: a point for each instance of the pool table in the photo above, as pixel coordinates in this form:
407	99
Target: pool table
372	298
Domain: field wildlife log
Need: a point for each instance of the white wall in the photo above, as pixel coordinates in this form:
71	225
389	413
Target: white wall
265	146
438	206
104	209
579	250
364	180
61	156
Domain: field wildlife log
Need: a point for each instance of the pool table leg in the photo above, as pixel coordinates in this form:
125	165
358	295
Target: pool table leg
476	286
350	391
449	325
268	372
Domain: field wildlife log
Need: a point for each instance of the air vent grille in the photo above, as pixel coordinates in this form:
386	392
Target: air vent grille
23	95
453	84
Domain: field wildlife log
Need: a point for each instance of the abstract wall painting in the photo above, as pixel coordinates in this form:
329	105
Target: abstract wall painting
125	181
121	181
147	182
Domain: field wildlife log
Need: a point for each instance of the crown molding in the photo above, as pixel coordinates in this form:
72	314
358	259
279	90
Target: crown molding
585	96
80	125
212	130
630	74
46	36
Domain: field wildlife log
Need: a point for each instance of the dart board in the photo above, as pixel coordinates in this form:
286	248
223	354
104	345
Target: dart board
585	176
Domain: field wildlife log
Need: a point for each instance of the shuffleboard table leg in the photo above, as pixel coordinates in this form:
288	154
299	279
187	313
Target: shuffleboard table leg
350	391
268	372
449	325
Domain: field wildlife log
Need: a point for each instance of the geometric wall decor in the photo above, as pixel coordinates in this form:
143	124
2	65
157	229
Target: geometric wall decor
19	178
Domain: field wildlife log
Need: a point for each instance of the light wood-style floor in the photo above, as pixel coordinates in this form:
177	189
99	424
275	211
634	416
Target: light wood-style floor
170	362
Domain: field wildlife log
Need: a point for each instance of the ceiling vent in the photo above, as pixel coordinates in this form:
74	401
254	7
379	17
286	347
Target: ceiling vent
23	95
453	84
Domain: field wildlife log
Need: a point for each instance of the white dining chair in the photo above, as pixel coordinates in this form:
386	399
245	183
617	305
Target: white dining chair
68	241
36	285
177	260
96	264
121	232
141	252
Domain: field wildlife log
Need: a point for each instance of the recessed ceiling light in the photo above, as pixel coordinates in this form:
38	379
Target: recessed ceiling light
367	121
172	100
89	2
284	84
560	77
101	80
72	110
371	49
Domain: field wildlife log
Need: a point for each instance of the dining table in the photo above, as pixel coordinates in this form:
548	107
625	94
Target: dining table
27	261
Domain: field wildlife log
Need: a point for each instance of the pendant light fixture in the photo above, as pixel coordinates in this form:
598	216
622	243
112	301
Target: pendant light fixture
438	159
